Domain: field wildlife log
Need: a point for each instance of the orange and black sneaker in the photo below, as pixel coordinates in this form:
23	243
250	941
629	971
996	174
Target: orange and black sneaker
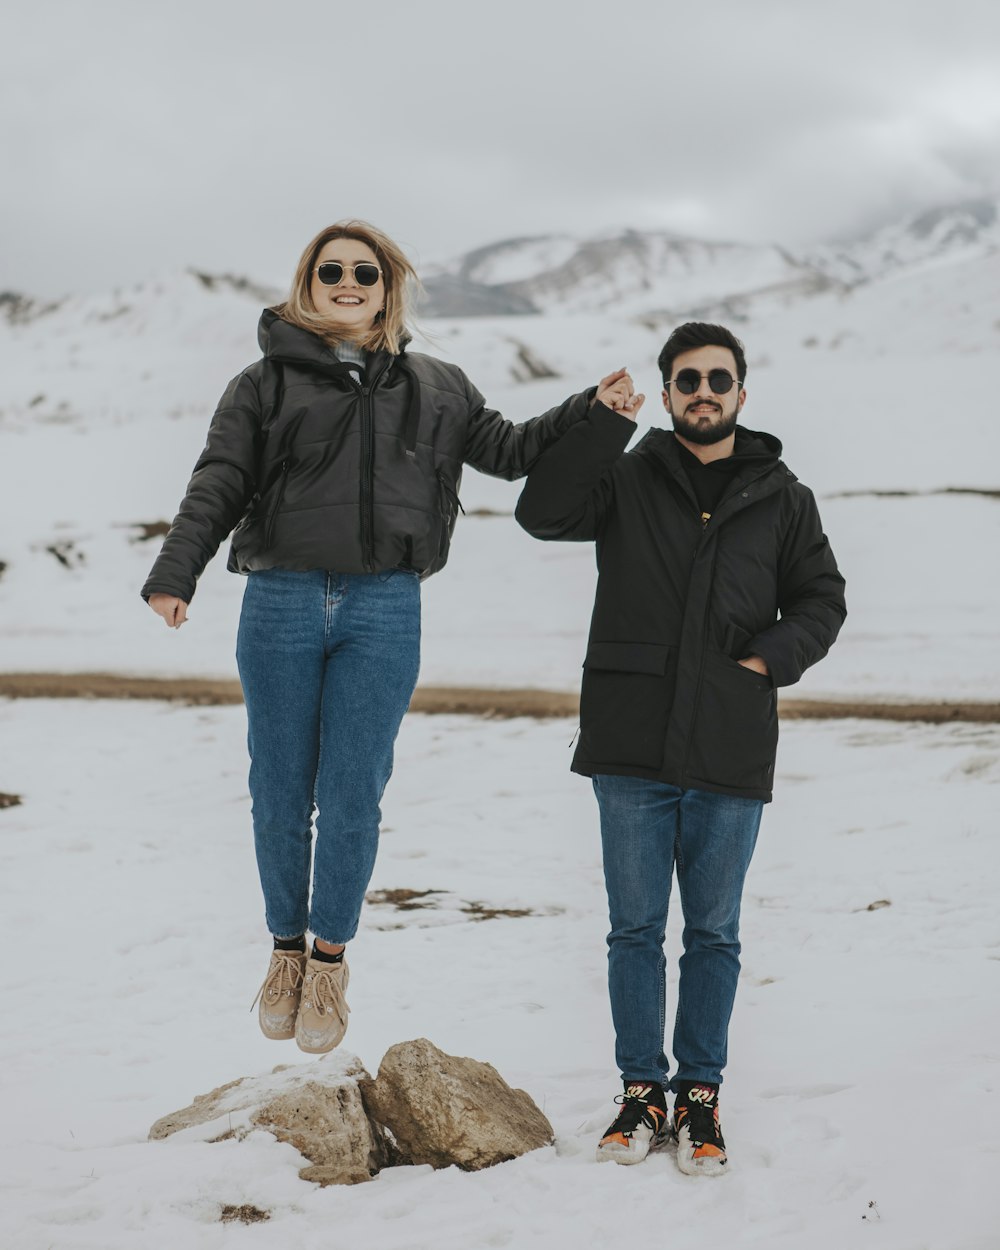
641	1124
701	1150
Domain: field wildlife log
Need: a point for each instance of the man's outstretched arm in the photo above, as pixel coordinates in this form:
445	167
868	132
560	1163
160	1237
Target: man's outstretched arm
569	489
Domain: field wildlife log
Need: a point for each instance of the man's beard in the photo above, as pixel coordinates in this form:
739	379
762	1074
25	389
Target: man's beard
705	435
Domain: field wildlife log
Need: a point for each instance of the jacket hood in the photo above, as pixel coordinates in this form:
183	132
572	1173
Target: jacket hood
280	340
754	449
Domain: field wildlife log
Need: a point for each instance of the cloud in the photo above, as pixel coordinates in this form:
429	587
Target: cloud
225	134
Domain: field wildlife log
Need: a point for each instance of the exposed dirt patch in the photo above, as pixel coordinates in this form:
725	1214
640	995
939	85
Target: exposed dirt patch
246	1214
480	911
111	686
9	800
984	493
862	709
145	530
443	900
67	553
404	900
463	700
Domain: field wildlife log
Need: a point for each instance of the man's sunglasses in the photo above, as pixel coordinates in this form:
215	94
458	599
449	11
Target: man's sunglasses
331	273
720	381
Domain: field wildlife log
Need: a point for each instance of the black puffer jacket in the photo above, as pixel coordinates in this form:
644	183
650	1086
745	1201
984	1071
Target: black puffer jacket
317	470
679	603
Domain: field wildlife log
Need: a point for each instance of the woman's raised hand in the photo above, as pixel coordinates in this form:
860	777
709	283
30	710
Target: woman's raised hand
617	393
173	610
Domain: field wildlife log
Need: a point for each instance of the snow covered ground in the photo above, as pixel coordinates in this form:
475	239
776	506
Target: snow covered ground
864	1052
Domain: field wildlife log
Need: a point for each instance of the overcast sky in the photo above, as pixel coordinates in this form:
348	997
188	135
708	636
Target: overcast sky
223	134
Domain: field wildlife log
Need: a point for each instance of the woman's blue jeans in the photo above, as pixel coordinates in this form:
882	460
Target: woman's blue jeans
328	662
647	829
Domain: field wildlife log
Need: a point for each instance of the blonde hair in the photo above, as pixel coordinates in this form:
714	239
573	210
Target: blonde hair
398	275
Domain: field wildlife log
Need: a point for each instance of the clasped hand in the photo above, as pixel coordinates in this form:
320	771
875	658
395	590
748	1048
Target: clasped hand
617	392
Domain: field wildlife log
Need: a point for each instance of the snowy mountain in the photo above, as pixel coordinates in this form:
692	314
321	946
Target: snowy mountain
658	274
537	307
937	235
630	271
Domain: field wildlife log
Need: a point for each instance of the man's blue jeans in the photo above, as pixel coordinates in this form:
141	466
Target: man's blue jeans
648	828
328	663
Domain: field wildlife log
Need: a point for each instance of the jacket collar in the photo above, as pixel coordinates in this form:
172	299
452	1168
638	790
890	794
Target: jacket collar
279	340
759	465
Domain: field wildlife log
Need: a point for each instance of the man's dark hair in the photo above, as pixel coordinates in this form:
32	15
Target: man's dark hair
694	334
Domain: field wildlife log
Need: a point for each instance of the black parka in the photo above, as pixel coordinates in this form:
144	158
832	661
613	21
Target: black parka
316	469
679	602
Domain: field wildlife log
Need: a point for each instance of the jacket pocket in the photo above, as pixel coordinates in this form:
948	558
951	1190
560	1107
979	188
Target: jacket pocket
275	505
736	726
625	702
450	506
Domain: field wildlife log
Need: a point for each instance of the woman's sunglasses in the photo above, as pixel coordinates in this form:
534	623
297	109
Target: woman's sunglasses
331	273
720	381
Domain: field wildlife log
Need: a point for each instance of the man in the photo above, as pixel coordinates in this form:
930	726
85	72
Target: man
716	586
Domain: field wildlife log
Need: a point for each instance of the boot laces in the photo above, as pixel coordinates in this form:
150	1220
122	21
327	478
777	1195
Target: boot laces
702	1118
635	1110
326	992
284	976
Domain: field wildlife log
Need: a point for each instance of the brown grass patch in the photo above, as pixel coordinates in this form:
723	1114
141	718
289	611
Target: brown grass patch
982	492
482	701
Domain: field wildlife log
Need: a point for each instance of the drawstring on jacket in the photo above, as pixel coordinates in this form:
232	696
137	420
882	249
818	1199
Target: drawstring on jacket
412	408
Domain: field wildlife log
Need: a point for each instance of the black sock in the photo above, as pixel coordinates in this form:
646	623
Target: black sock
326	958
290	944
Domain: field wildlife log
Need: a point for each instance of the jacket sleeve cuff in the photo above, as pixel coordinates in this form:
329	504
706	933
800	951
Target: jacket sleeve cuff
613	429
781	674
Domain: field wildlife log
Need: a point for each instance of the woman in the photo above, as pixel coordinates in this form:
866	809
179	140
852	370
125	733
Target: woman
337	457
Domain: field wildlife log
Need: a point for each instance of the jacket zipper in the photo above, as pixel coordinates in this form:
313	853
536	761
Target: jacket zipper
451	494
368	473
704	629
367	481
701	658
450	508
272	514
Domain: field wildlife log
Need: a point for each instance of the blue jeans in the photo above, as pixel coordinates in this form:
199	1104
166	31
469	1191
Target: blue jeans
648	828
328	663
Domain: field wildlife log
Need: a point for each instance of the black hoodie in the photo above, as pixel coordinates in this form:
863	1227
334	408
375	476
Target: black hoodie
318	470
680	600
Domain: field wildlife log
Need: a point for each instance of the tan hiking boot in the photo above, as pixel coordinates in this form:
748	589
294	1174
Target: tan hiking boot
279	995
322	1018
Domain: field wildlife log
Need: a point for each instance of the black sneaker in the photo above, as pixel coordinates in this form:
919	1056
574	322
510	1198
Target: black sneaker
641	1124
701	1150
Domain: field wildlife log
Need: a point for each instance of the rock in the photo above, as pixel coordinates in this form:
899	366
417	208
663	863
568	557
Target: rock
204	1110
327	1124
315	1107
437	1108
444	1110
